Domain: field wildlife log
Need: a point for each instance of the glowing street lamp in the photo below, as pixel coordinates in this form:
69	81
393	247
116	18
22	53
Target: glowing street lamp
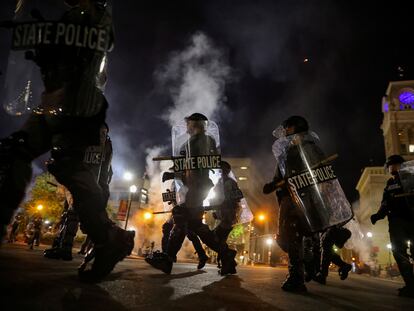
369	234
133	189
128	176
269	241
39	207
147	215
261	217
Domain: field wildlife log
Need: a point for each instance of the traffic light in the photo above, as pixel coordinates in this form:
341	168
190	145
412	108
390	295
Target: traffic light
144	196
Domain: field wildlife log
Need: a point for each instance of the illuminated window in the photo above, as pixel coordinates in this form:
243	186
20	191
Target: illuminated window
411	148
242	178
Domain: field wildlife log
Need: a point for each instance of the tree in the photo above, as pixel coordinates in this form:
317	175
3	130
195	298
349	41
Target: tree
47	193
237	232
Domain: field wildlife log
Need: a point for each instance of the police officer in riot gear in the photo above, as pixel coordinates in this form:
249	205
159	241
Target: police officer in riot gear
15	227
37	223
227	212
399	211
292	227
188	216
67	121
98	159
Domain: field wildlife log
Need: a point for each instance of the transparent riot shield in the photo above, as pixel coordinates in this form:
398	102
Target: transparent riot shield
244	214
407	177
57	59
312	182
196	157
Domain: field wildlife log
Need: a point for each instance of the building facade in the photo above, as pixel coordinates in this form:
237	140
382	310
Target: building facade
398	132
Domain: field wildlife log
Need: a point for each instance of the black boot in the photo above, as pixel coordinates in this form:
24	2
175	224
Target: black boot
406	291
160	261
320	278
58	253
343	271
228	264
293	285
119	245
202	260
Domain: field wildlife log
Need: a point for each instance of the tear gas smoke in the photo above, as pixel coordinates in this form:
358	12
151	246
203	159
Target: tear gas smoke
357	242
195	78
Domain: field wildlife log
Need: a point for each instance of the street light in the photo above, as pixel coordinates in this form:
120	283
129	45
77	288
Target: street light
128	176
369	234
39	207
389	246
269	242
261	217
147	215
132	189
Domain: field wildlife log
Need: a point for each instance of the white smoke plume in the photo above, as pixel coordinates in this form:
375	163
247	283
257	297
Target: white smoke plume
195	79
358	242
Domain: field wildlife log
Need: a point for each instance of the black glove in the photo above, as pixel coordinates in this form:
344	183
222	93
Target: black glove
374	218
167	176
269	187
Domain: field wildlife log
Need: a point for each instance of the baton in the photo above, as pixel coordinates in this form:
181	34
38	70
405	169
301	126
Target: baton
165	158
325	161
204	209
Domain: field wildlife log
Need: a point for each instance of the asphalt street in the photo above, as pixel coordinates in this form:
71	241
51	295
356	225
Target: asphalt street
30	282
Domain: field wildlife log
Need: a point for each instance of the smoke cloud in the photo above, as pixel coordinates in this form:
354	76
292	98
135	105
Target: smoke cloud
195	79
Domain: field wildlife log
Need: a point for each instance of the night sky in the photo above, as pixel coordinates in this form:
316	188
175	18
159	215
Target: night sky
353	52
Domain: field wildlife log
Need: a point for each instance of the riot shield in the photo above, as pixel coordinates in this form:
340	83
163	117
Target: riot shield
407	177
196	157
57	59
244	214
312	182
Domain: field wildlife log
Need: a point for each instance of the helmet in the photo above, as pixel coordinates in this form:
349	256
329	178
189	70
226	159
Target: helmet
299	123
196	117
394	159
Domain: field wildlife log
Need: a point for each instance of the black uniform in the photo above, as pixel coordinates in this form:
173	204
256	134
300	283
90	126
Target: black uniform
228	210
14	227
188	217
292	224
98	160
70	81
166	231
37	230
333	236
400	221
